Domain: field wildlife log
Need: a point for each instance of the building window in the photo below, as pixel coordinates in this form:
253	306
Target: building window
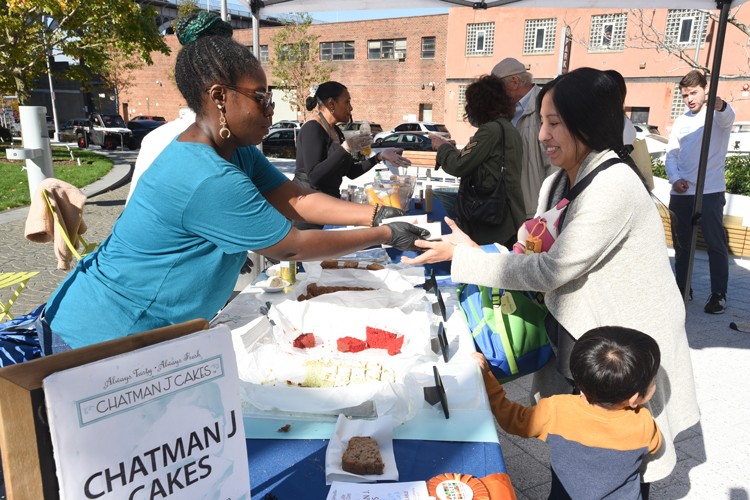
461	102
678	105
539	37
337	51
428	47
480	39
294	52
686	27
386	49
608	32
263	52
639	114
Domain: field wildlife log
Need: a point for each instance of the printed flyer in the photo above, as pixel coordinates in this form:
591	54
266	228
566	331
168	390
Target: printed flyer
159	422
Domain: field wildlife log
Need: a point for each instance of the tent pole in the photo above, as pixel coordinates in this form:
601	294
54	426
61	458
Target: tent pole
713	86
255	10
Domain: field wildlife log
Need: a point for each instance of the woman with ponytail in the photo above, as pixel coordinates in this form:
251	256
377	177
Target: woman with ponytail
324	157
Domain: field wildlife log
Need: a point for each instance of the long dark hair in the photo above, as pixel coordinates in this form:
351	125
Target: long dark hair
589	102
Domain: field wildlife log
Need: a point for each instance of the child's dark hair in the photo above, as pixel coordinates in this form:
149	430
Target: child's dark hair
209	58
610	363
326	90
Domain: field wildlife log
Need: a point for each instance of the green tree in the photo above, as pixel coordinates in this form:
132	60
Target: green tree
117	72
296	64
85	30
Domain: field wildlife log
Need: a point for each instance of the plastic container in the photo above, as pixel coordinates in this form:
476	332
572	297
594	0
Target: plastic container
288	271
365	129
395	192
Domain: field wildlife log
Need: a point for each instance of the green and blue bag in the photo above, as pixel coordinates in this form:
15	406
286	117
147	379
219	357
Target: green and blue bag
508	328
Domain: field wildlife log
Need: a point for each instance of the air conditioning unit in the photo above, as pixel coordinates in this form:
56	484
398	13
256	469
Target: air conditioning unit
400	55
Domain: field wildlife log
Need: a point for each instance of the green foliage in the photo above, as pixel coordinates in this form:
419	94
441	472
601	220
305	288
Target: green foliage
184	9
296	64
657	166
737	173
84	30
14	182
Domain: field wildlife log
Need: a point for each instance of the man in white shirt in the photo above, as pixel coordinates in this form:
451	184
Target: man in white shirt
683	153
536	165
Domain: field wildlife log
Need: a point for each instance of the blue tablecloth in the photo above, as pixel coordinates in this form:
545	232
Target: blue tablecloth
295	469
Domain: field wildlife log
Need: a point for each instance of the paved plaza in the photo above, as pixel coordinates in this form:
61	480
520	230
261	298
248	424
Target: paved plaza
713	456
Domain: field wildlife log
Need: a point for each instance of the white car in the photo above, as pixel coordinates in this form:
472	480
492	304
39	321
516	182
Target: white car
642	130
423	127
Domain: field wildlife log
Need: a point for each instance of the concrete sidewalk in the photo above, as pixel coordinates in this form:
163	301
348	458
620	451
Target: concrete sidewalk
713	456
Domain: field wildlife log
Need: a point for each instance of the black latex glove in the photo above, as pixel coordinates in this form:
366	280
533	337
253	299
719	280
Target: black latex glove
386	213
404	235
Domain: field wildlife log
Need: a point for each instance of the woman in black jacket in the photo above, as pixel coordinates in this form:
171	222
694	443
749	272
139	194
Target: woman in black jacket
324	157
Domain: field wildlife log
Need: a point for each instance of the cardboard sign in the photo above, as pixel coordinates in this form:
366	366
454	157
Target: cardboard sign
163	421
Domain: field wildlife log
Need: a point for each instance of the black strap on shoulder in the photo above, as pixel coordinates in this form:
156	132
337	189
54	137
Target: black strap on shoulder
583	183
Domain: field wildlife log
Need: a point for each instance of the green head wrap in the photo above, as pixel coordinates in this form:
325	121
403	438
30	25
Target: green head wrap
195	26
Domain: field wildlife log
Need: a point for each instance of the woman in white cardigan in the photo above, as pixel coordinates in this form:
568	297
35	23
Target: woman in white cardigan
609	264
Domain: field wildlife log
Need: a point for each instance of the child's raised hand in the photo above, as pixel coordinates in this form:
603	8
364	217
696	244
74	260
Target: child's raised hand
481	361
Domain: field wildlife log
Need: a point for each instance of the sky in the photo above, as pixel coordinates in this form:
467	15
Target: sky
333	16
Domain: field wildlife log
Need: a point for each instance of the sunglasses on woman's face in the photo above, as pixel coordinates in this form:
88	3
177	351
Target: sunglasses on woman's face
265	98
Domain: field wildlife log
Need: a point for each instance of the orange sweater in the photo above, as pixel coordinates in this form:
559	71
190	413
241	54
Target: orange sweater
595	452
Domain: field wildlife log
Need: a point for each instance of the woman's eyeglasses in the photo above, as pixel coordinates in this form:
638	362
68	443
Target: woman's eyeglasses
264	98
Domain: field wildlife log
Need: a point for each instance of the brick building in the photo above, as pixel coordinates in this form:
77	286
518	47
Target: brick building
418	67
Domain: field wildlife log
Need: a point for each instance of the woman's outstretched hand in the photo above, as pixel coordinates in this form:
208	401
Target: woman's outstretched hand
439	251
394	156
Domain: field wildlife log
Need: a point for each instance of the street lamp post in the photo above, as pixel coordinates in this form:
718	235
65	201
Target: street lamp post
49	76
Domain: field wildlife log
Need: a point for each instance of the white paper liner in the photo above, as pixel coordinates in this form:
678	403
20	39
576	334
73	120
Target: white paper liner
381	430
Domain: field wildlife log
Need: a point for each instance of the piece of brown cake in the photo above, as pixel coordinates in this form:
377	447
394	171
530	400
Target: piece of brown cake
362	456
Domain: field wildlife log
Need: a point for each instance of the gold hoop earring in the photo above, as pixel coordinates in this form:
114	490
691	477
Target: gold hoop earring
223	129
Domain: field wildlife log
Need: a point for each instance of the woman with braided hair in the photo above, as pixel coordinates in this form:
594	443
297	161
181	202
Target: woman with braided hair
176	251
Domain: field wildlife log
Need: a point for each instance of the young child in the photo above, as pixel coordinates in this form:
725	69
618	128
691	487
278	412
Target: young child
597	439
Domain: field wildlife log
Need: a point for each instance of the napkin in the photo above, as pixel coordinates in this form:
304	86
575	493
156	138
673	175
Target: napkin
381	430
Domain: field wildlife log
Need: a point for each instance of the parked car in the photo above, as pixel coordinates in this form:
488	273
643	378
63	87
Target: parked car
423	127
140	129
149	117
284	125
74	131
50	127
107	131
409	141
5	134
352	128
643	129
739	137
281	143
